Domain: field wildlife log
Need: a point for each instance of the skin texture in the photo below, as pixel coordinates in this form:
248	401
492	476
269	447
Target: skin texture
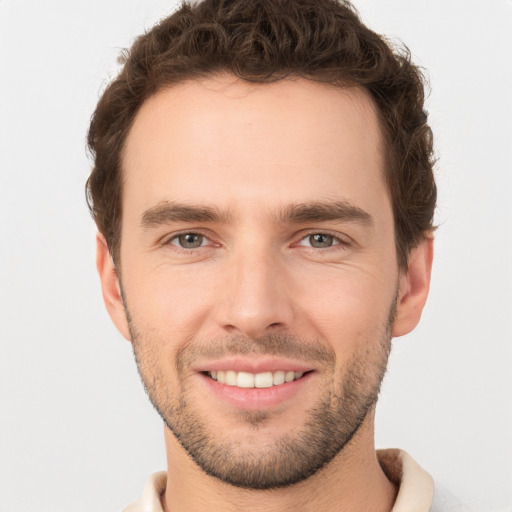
254	171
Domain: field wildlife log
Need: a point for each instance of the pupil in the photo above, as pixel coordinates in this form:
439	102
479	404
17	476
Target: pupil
190	241
321	241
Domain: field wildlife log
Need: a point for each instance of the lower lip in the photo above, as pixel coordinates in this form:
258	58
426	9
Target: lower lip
256	398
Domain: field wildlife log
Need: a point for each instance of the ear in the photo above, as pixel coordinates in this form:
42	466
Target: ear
414	287
110	286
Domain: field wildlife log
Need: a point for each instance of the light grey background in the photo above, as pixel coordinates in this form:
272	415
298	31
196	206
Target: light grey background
76	430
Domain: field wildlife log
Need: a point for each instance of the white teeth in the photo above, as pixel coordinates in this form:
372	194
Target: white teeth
231	378
278	378
251	380
245	380
263	380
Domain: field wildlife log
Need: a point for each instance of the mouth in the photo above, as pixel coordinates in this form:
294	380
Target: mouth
248	380
255	383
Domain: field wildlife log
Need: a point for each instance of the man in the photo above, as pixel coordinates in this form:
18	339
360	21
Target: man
264	195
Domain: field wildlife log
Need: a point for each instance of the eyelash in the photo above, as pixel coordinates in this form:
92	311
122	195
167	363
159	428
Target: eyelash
340	242
176	236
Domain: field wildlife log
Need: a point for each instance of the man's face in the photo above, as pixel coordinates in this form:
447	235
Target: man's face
257	247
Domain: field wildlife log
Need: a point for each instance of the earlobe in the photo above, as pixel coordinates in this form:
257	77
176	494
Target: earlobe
414	287
110	286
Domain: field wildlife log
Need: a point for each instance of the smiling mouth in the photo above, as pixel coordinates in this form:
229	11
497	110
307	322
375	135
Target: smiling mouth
254	380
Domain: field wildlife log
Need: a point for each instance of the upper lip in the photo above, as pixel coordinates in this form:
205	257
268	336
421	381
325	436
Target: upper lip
252	365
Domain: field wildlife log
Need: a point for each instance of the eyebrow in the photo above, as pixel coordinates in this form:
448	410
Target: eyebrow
325	211
167	212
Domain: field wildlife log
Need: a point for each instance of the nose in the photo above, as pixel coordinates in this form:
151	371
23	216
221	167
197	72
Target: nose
254	300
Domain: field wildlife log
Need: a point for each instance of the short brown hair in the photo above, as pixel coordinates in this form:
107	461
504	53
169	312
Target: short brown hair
264	41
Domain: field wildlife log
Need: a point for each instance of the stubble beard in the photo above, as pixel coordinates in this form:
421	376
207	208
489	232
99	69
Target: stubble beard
328	428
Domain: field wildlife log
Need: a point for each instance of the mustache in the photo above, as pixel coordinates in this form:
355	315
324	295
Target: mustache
283	345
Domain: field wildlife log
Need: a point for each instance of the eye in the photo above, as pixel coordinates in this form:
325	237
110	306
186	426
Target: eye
319	241
189	240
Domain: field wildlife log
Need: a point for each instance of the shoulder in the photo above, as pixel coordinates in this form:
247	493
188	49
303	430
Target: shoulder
416	488
445	501
150	499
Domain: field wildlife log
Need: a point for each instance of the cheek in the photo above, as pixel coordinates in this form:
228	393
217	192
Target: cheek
168	302
351	308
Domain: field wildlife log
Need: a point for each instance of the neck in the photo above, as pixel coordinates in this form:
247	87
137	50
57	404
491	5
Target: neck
353	480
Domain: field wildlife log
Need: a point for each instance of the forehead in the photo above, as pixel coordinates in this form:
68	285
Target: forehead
225	141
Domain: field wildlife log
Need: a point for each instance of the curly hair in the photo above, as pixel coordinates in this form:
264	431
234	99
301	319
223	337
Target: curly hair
264	41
